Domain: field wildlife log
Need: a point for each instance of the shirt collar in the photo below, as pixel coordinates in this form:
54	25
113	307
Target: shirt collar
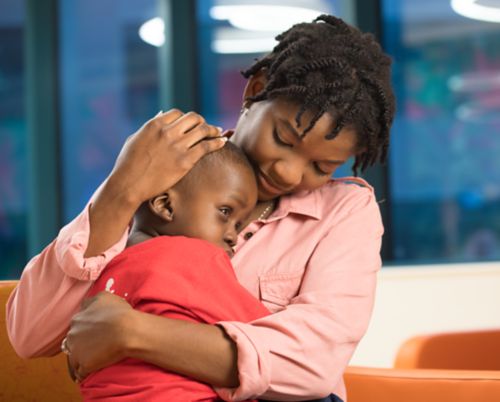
308	203
303	203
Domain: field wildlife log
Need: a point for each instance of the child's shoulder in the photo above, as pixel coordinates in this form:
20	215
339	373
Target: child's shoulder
173	245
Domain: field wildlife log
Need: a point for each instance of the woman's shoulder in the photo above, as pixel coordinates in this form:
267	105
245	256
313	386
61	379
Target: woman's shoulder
334	201
348	190
342	196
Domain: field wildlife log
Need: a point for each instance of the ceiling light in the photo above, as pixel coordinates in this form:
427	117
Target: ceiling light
263	17
239	46
153	32
472	9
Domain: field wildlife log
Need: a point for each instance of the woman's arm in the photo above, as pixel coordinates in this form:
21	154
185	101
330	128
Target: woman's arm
54	283
108	330
51	289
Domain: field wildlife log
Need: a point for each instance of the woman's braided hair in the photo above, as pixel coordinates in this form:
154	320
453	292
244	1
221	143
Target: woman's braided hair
329	66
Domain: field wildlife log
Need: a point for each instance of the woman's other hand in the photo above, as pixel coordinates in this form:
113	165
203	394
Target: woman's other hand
97	336
157	156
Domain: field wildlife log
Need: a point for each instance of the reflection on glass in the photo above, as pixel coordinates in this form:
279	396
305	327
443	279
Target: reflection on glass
445	165
13	191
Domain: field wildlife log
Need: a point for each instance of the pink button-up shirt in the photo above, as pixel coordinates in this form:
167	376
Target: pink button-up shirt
313	263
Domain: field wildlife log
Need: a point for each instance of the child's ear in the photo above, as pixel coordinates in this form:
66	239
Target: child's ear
161	206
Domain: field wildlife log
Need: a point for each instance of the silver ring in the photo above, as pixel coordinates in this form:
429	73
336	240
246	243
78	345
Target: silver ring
64	347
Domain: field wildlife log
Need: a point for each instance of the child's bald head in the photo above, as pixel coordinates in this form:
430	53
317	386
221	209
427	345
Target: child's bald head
211	202
228	158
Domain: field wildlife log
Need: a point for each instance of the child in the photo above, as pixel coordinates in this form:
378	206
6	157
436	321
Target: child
189	278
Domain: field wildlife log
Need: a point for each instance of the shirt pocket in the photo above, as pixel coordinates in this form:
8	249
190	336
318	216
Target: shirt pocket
277	290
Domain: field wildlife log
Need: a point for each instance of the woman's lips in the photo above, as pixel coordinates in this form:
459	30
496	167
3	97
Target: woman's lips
268	186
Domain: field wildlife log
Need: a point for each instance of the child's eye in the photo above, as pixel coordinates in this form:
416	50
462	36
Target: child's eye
278	139
226	211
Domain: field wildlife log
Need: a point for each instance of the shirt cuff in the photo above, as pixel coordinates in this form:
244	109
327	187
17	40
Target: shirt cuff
71	245
253	371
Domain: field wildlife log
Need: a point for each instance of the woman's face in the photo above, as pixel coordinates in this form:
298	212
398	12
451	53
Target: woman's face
284	162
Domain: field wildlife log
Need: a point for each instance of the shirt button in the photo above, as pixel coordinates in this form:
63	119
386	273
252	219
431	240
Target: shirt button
248	235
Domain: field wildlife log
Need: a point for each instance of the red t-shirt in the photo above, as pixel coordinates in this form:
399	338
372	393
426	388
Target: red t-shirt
175	277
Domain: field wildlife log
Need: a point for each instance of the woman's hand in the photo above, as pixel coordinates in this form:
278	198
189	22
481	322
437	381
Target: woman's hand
97	337
157	156
152	160
108	330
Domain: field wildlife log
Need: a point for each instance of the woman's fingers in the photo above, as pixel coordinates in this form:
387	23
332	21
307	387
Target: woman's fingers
168	117
199	133
204	147
193	130
184	123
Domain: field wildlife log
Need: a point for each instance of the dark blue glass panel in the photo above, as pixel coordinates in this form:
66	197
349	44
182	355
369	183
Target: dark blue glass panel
13	144
109	88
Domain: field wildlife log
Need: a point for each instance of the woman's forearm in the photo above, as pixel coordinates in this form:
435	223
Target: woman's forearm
200	351
110	214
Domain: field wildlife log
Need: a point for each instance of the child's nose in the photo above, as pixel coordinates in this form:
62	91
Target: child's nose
230	237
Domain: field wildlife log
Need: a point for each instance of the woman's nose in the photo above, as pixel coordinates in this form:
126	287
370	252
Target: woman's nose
288	174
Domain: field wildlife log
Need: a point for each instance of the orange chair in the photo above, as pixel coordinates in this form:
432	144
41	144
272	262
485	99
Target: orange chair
450	367
472	350
41	379
421	385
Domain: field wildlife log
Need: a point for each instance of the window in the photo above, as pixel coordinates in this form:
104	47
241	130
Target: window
109	88
445	165
13	141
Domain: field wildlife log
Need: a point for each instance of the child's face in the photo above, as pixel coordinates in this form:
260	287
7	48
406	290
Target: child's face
215	210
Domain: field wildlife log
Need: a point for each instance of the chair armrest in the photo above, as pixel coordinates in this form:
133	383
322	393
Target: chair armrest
366	384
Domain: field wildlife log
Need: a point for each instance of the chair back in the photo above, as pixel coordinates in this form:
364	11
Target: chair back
471	350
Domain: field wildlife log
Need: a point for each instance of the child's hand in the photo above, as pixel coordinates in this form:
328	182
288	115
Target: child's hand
161	152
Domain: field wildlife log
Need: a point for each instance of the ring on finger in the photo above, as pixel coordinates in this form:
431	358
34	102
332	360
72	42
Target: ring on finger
64	347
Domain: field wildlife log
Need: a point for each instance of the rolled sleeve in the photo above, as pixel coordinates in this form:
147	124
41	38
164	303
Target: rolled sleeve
70	247
52	287
302	351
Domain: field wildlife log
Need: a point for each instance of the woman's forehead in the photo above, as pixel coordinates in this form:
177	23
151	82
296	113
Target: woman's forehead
284	114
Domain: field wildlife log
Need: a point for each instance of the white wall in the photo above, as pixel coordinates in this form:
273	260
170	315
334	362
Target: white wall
424	299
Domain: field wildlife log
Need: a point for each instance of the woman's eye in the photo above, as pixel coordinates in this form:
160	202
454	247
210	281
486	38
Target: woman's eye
237	226
278	139
319	171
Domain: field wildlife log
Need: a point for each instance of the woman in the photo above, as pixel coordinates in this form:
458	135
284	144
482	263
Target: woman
309	252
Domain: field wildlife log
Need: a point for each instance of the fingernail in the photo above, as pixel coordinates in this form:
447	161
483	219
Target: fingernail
224	139
159	113
220	129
